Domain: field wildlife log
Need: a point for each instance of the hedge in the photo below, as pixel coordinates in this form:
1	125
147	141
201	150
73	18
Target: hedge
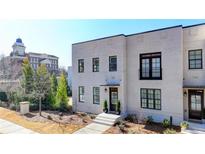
3	96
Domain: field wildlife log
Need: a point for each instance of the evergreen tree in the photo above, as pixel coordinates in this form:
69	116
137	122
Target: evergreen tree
61	96
53	91
28	76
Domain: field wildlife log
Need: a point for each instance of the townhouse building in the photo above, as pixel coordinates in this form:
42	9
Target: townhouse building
158	73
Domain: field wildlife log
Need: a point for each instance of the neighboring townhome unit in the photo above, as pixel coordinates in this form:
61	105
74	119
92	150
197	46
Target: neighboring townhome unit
157	73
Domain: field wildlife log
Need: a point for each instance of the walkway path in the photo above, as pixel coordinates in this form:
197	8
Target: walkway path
195	128
7	127
101	123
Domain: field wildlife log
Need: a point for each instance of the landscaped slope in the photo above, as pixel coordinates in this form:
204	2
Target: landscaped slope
44	125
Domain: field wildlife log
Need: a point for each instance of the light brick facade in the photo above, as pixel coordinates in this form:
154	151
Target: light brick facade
173	44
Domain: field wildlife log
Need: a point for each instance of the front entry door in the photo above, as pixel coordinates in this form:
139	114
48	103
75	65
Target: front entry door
113	98
195	104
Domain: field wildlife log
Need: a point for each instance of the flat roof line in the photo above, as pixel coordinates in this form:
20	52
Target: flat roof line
193	25
154	30
99	39
140	33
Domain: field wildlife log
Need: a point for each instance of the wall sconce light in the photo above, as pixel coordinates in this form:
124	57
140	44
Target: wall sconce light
185	93
105	89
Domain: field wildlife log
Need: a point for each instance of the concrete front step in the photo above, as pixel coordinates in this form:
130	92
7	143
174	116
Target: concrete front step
196	126
107	119
109	116
193	131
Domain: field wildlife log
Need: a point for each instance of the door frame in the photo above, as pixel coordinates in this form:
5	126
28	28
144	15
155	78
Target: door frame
112	89
200	92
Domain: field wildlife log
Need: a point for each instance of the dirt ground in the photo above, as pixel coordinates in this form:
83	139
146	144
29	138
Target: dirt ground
50	122
139	128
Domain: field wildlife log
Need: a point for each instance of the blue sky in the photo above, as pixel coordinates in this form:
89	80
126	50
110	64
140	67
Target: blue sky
56	36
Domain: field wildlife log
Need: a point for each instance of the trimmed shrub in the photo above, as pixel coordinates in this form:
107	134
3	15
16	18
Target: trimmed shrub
169	131
105	106
118	106
131	118
166	123
149	120
49	117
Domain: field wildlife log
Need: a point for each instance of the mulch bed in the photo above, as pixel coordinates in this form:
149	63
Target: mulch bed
54	116
139	128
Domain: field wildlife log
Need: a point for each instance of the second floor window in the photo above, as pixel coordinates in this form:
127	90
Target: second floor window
95	64
112	63
150	66
81	65
195	59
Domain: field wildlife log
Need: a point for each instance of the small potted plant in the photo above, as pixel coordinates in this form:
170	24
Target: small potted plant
105	108
118	107
184	125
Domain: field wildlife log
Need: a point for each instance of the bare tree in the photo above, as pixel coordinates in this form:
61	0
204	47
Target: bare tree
41	85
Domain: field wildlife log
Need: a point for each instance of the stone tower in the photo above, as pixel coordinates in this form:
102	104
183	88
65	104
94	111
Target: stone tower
18	48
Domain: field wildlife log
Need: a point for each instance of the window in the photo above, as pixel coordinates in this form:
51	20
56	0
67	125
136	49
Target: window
112	63
95	64
81	65
151	98
195	59
96	95
81	94
195	102
150	66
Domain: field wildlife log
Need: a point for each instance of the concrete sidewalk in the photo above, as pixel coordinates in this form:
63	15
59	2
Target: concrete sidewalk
7	127
93	128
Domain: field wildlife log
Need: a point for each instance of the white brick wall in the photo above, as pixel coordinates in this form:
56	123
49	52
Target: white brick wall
173	43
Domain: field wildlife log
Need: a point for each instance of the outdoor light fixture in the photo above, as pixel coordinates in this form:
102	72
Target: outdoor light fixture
185	93
105	89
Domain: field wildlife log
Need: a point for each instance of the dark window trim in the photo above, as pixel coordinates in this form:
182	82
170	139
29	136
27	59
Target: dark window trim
109	64
79	93
79	65
98	64
95	95
196	59
152	55
154	108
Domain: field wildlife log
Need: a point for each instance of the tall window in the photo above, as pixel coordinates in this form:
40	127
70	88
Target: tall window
81	65
151	98
95	64
195	59
81	94
112	63
96	95
150	66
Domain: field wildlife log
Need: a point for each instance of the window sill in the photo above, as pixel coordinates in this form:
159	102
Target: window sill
151	109
150	78
81	101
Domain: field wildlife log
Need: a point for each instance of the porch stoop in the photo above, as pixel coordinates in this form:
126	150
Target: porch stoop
107	119
195	128
100	124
